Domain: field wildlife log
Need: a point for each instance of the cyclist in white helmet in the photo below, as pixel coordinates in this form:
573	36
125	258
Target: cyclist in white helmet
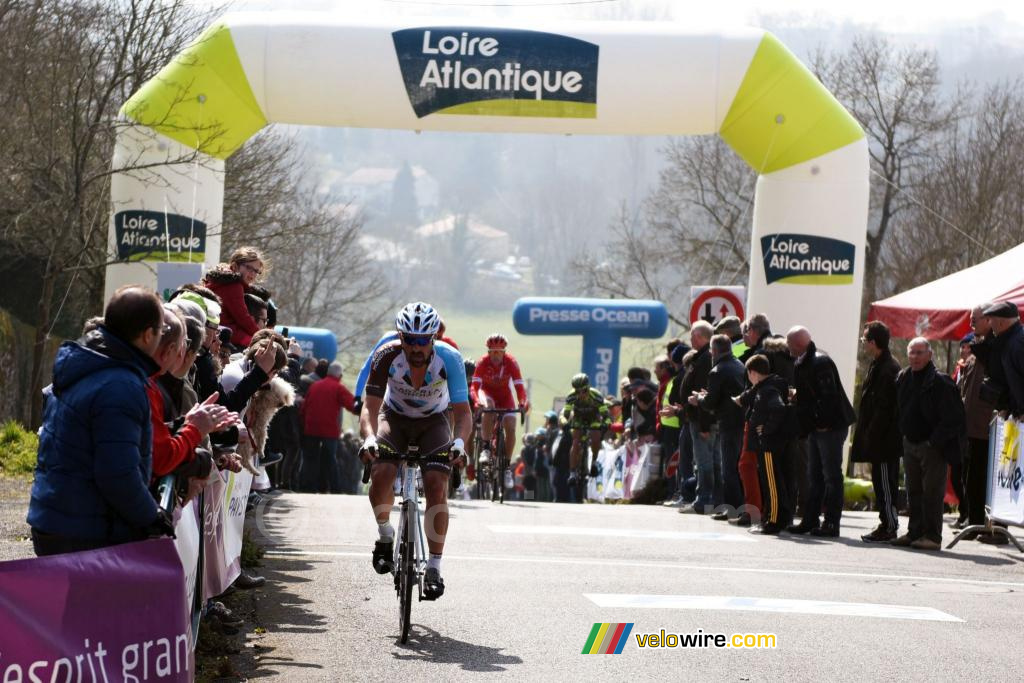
411	384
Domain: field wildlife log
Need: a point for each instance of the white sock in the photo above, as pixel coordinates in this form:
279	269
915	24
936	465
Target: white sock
434	562
386	531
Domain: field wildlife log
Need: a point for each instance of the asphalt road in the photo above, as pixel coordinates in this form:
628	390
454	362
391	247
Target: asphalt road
527	581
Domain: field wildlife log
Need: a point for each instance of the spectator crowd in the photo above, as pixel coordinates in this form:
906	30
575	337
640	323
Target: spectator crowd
753	425
191	387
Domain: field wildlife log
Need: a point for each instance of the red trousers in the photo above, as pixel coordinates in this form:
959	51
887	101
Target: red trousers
748	474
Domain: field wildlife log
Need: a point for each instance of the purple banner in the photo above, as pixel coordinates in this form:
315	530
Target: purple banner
114	614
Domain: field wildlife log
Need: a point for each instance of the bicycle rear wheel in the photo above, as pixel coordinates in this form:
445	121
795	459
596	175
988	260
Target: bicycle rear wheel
406	574
501	458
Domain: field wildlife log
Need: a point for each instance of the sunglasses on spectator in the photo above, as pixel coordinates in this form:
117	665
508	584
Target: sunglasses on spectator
417	340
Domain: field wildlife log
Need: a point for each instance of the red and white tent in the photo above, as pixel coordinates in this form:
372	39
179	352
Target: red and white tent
942	309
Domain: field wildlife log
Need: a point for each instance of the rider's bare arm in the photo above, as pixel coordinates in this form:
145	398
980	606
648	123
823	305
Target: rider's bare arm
463	428
368	417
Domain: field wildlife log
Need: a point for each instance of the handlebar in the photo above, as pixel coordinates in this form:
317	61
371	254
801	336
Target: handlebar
366	473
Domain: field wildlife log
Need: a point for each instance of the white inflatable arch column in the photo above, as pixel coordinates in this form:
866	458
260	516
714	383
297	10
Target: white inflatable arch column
248	70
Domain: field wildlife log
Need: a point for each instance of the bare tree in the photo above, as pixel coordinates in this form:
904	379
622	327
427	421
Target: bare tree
694	229
67	67
968	206
321	275
895	94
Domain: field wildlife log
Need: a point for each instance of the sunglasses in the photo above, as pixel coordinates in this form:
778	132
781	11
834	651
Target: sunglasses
423	340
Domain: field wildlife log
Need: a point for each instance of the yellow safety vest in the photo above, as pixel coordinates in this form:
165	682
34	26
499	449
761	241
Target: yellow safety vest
672	421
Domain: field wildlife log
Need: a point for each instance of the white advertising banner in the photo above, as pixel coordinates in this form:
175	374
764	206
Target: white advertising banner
1006	471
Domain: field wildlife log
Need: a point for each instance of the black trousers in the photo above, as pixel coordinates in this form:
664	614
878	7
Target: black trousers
977	479
885	477
54	544
796	475
775	488
926	487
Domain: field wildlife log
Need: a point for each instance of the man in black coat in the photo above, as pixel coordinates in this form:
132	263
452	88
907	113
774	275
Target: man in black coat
701	424
824	414
1007	364
933	424
877	438
726	380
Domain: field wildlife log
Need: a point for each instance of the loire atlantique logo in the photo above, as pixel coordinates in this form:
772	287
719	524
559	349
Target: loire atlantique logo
497	72
807	260
155	235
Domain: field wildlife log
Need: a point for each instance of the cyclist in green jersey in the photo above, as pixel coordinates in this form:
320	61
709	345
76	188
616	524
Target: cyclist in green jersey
585	411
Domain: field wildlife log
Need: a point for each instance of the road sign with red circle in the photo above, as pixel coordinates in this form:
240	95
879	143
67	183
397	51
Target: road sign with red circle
714	303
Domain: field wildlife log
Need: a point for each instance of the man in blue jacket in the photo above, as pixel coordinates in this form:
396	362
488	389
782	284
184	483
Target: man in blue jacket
95	444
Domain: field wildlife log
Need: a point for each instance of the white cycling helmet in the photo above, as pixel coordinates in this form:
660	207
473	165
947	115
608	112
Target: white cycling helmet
418	318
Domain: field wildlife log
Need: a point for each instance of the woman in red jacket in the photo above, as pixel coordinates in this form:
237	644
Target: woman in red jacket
232	281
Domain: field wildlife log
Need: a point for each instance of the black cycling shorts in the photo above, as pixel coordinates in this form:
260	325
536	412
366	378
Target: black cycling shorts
432	435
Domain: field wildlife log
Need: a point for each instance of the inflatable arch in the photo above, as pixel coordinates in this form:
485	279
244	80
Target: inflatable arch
249	70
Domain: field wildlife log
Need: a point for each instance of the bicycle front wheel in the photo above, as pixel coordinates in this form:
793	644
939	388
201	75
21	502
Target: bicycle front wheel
406	575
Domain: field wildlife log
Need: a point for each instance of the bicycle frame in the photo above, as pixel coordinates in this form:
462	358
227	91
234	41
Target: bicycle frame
410	517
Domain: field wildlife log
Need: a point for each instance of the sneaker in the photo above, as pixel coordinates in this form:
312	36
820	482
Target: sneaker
689	509
674	502
218	611
383	556
770	529
510	482
485	456
573	478
925	544
879	535
722	516
433	584
904	541
755	529
247	581
958	524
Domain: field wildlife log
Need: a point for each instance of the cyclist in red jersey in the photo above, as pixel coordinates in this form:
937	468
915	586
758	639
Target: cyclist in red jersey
495	376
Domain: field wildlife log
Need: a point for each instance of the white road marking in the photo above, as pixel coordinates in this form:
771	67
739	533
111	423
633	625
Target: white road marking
779	605
620	533
656	565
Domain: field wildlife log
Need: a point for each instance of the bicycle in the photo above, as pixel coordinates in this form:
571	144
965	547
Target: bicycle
500	462
410	562
483	470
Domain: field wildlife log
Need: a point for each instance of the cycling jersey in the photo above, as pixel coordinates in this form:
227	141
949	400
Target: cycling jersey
494	381
364	372
588	412
444	382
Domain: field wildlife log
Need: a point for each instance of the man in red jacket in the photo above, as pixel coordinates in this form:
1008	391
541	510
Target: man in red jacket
321	420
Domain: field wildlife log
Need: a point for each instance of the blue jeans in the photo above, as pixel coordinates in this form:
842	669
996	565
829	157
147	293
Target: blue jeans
727	451
684	472
320	470
709	469
825	475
